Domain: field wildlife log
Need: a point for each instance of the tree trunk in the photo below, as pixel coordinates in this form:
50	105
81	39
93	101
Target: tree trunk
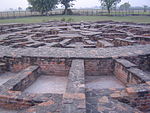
66	10
108	10
42	13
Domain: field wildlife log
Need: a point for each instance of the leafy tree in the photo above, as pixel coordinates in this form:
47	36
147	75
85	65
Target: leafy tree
43	6
125	6
109	4
67	4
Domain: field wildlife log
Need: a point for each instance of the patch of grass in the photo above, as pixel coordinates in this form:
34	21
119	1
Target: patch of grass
63	19
137	19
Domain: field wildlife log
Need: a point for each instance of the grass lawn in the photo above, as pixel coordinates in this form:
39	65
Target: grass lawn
138	19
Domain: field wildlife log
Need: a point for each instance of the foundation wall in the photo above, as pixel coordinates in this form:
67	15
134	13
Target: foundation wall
143	62
26	78
75	93
121	42
12	98
139	96
53	67
3	67
124	75
99	67
14	104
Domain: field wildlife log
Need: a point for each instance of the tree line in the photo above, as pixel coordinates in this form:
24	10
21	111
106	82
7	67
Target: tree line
44	6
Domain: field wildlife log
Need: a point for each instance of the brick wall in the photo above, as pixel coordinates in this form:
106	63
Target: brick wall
124	72
59	67
99	67
139	96
122	42
11	96
143	62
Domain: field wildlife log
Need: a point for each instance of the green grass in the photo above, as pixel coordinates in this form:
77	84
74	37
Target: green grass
137	19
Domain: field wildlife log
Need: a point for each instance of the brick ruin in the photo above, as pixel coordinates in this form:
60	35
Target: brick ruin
78	67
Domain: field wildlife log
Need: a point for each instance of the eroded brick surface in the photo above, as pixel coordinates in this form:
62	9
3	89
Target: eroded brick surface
76	50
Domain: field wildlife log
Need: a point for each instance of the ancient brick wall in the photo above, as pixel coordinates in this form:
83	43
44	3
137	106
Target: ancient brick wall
139	96
122	42
99	67
27	77
14	86
48	66
74	96
123	71
143	62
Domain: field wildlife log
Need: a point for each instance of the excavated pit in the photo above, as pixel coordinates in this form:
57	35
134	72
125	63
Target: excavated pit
103	82
99	75
48	84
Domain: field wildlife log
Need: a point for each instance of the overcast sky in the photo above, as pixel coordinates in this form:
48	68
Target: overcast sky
6	4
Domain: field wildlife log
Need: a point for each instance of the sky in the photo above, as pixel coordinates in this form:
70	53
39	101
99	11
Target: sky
6	4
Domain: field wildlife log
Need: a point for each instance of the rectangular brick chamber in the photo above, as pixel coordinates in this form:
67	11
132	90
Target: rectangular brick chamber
48	84
26	77
130	74
112	73
134	74
99	74
51	77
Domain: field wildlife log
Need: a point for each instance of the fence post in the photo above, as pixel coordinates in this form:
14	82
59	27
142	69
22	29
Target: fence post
83	12
96	13
19	14
14	14
119	12
25	13
7	15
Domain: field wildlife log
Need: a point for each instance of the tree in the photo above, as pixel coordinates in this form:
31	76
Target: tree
109	4
43	6
125	6
67	4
